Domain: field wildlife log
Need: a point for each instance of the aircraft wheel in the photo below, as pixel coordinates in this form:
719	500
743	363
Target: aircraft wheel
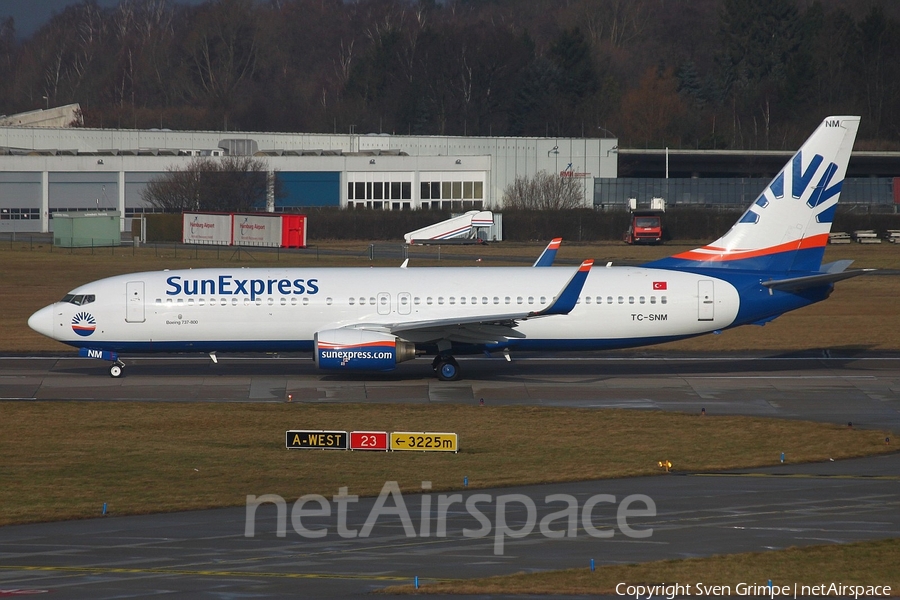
448	369
115	370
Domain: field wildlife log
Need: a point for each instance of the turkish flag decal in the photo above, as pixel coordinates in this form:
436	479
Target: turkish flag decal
659	285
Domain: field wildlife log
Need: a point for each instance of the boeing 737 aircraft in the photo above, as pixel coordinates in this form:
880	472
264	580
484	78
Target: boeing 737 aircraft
769	263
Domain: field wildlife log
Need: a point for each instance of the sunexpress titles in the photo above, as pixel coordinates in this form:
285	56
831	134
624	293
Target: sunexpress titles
228	285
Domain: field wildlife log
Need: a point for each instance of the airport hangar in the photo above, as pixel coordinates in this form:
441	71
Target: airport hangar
47	167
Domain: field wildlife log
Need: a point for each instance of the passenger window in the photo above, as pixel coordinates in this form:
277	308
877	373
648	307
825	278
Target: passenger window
587	299
452	300
158	301
353	301
270	301
362	301
609	300
474	300
428	300
662	300
305	301
641	300
372	301
506	300
259	301
621	300
181	301
417	300
234	301
630	299
530	299
462	300
293	301
284	301
440	299
519	300
201	301
328	301
484	300
543	299
652	299
496	300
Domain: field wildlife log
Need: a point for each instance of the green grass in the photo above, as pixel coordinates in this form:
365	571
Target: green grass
862	563
63	460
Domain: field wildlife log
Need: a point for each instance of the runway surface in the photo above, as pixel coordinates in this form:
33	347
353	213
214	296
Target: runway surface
206	553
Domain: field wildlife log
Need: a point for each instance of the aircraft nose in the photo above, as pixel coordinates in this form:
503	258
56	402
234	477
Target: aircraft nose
42	321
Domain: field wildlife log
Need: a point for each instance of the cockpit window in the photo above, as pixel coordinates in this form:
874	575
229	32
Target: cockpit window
78	299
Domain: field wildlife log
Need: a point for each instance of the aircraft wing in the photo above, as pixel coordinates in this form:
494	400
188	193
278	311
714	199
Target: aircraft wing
549	254
484	328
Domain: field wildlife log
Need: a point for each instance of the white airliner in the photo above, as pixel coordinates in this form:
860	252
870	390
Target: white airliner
768	263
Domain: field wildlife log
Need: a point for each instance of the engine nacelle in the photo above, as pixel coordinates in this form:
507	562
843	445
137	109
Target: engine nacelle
358	349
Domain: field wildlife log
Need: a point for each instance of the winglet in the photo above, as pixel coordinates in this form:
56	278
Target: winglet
549	254
568	297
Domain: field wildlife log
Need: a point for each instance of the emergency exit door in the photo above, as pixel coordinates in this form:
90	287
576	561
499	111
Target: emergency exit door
134	302
706	310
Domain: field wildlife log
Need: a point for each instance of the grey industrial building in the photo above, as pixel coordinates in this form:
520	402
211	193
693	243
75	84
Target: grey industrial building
48	164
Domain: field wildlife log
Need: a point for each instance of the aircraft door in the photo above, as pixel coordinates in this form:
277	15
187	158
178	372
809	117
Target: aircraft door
706	300
134	302
384	303
404	303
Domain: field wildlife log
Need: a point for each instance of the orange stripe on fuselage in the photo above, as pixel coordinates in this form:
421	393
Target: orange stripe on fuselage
333	346
719	254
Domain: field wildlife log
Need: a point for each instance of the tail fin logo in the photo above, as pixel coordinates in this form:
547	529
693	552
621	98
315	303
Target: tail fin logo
800	180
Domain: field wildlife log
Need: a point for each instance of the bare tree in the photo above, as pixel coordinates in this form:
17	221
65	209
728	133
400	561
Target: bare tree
544	192
230	184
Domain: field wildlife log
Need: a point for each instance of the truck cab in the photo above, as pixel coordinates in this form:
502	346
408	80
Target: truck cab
645	227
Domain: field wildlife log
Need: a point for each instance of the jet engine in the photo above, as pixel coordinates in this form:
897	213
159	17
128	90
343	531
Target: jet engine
358	349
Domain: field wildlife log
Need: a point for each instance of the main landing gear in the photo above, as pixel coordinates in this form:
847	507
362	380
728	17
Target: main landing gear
445	367
115	370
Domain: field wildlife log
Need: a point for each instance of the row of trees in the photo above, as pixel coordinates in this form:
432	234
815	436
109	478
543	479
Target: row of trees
742	74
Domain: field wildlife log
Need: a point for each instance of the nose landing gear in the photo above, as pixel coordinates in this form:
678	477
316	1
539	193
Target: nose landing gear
115	370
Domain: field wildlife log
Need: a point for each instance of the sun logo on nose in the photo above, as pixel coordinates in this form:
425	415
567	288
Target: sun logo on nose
84	324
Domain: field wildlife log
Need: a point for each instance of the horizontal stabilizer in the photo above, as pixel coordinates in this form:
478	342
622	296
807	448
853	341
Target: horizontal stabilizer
795	284
837	266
